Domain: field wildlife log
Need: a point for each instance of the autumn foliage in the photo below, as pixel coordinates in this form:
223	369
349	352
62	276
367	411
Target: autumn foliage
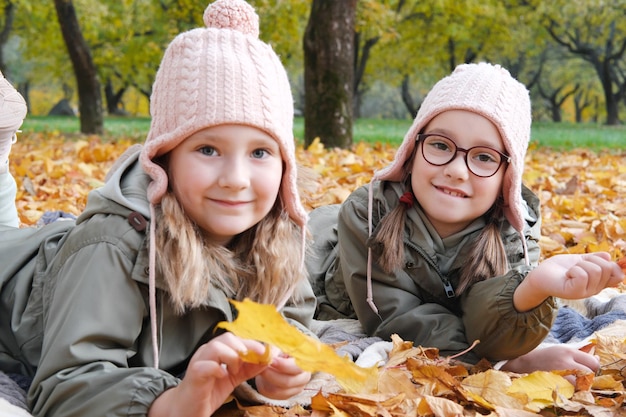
416	381
583	196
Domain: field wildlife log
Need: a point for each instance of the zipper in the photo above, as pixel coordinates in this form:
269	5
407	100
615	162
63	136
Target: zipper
447	286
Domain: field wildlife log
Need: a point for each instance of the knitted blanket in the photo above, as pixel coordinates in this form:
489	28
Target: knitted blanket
580	319
12	398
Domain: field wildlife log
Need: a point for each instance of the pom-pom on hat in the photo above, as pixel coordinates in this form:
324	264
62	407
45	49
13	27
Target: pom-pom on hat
221	74
492	92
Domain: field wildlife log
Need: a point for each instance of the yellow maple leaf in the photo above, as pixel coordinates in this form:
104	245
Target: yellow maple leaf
543	389
253	357
262	322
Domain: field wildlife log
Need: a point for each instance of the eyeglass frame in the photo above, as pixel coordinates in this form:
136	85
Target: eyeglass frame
421	136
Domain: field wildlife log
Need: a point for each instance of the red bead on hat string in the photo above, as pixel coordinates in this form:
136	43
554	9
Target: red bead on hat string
407	199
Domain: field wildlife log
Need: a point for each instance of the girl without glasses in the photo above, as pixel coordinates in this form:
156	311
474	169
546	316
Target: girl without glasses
115	315
441	247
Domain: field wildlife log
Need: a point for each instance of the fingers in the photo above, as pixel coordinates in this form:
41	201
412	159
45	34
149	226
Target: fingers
595	271
603	255
220	359
282	379
285	365
281	386
586	361
564	357
221	356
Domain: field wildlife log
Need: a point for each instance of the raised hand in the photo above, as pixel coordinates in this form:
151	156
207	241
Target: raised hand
568	276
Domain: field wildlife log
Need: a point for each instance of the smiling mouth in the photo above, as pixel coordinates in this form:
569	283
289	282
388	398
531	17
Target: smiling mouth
230	203
452	193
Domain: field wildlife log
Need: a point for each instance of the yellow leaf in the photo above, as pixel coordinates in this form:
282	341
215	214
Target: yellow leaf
263	323
543	389
253	357
491	385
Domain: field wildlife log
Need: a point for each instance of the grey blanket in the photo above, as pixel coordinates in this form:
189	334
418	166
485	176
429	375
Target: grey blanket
572	325
11	391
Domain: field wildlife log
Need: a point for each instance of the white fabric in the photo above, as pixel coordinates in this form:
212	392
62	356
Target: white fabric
9	410
8	190
375	354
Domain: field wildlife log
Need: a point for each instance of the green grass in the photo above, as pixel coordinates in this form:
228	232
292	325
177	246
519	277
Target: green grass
134	127
559	136
368	130
579	135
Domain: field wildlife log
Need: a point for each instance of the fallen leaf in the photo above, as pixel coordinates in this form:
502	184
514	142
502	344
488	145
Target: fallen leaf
542	389
262	322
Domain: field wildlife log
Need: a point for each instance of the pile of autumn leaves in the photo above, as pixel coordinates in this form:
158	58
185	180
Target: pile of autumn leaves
583	197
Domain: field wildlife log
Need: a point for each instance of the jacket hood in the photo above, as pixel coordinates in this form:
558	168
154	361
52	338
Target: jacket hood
124	190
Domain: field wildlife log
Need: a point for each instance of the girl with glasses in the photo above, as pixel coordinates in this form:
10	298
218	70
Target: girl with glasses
115	314
442	247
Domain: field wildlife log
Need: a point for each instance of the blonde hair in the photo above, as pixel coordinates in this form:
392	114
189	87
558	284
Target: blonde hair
486	257
264	263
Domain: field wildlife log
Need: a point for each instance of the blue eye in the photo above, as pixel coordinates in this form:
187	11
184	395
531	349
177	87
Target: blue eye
208	150
259	153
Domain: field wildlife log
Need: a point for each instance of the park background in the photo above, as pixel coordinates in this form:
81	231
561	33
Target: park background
367	59
100	58
570	54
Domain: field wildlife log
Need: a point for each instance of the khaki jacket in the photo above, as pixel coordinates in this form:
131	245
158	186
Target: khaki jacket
415	302
79	317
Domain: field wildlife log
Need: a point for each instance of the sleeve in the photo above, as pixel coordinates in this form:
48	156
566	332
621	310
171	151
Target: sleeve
300	312
400	309
94	317
507	333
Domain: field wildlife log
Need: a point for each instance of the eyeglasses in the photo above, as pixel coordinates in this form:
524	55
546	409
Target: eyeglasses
481	161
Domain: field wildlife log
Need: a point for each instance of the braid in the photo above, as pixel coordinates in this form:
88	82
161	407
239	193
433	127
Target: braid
390	237
487	256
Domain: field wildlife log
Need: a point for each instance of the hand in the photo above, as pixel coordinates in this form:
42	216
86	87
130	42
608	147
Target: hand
558	357
213	373
282	379
569	277
590	275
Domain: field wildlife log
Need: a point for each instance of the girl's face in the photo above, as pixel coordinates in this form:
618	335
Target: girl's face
450	195
226	178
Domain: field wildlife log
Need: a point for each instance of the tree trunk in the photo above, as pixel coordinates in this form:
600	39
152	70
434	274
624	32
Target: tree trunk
361	58
329	72
114	99
407	98
603	69
9	17
582	101
605	60
89	95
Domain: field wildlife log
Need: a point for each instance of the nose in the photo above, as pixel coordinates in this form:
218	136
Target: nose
457	168
234	174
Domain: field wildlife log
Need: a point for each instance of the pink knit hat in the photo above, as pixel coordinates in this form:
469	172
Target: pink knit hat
221	74
490	91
